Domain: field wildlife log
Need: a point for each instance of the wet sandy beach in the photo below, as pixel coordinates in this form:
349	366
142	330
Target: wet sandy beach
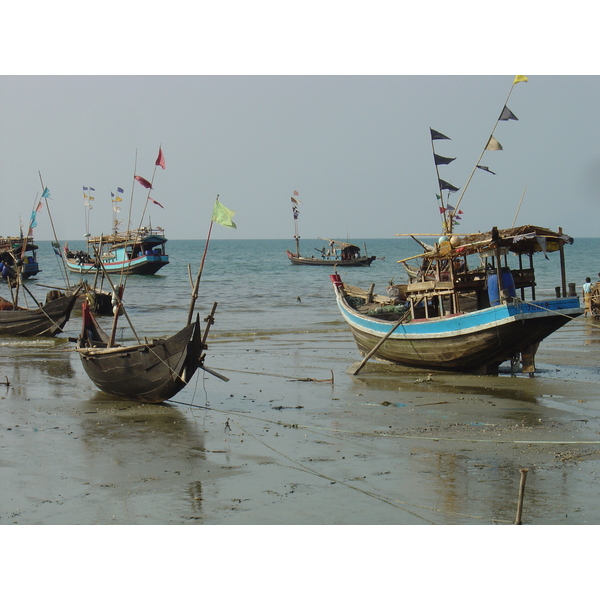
292	439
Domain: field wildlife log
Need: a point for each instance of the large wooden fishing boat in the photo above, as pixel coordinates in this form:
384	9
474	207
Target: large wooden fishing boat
135	252
457	316
453	317
44	320
18	252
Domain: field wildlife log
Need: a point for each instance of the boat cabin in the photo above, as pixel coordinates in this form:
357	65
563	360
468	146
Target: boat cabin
472	272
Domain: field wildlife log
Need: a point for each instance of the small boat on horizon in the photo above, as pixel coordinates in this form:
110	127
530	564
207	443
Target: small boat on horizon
335	254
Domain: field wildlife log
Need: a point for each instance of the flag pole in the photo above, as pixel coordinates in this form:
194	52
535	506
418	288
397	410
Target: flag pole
437	172
52	224
200	269
480	156
151	183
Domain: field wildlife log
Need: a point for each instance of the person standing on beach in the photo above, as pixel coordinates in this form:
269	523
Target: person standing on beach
587	297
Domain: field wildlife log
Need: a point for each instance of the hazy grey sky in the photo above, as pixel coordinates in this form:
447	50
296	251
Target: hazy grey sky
356	148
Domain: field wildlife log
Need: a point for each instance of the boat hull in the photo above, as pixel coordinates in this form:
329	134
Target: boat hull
363	261
150	373
46	321
472	342
143	265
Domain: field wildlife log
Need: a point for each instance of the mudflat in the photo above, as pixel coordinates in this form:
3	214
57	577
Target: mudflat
292	439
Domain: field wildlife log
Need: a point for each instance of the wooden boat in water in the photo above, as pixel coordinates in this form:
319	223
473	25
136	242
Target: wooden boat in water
18	252
45	320
455	318
335	254
135	252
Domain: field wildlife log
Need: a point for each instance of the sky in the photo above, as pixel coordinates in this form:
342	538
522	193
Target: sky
344	122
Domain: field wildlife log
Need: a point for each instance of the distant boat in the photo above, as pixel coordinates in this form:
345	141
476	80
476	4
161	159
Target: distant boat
18	251
340	254
137	252
336	254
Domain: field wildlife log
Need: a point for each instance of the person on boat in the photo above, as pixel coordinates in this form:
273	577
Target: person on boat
587	297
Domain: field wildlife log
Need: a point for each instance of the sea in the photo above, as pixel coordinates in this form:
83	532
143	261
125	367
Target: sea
259	293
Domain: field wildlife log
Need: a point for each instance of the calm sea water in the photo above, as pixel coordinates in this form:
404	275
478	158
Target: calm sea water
259	292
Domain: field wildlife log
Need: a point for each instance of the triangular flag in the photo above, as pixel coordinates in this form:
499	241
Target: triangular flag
485	169
436	135
46	193
223	215
160	161
296	193
143	182
493	144
442	209
520	78
444	185
155	202
442	160
507	114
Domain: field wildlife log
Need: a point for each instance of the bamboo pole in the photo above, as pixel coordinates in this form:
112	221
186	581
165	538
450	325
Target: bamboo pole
66	271
481	155
521	494
200	269
355	370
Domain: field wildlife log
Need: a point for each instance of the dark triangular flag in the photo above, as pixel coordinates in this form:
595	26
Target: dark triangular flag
442	160
436	135
507	115
444	185
485	169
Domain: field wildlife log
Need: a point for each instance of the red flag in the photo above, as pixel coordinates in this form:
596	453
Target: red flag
296	193
160	161
155	202
143	181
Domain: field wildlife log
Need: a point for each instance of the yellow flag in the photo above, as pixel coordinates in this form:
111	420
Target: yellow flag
223	215
493	144
520	78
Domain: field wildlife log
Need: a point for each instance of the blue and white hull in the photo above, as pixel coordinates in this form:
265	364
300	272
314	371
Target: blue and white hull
478	341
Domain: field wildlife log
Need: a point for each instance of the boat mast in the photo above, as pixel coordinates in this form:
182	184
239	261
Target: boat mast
199	275
295	212
45	194
491	143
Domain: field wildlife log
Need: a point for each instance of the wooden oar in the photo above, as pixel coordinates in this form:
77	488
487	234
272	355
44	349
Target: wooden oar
354	370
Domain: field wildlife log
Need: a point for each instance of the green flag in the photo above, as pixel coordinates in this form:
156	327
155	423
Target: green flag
222	215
